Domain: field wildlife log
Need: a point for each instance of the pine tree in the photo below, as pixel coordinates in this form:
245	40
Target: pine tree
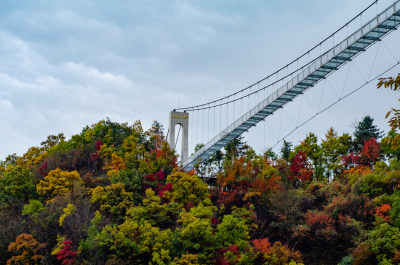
286	149
364	131
236	148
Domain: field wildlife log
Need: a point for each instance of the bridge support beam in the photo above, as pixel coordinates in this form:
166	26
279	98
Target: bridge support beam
181	118
306	77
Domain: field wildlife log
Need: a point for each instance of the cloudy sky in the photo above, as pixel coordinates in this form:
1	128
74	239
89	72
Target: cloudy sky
68	64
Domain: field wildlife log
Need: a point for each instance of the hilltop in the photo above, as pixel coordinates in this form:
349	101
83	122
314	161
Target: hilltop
115	194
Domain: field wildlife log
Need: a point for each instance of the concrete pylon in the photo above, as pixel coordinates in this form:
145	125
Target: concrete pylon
181	118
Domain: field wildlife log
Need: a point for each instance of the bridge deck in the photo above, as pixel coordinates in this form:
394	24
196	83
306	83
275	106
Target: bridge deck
317	70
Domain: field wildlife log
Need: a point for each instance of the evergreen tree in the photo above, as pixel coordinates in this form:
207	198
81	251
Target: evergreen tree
270	154
286	149
236	148
364	131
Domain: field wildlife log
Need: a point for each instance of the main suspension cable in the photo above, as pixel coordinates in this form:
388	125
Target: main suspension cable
202	106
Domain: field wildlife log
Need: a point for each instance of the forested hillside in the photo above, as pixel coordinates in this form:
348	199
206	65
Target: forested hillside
114	194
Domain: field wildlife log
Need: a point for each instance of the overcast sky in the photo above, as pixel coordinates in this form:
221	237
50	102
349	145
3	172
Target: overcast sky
68	64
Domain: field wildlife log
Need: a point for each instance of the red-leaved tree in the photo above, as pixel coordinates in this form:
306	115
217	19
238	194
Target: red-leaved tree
66	254
370	153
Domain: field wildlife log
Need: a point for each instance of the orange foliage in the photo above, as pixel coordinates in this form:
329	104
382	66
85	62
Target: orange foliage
396	258
322	224
318	218
358	207
27	250
164	156
157	152
259	185
261	245
117	163
192	172
279	254
274	183
305	174
359	170
383	212
344	218
238	168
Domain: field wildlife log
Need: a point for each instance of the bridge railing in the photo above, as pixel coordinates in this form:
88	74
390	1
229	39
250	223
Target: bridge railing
330	61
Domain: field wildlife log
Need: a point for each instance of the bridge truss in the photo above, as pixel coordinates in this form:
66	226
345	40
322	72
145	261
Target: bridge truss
306	77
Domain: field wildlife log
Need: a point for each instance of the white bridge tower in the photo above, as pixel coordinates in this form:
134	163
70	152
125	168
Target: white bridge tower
181	118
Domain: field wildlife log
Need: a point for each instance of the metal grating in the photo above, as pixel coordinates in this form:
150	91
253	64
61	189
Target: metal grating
324	65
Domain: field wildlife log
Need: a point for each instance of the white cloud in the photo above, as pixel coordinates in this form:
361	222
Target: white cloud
55	98
66	65
6	106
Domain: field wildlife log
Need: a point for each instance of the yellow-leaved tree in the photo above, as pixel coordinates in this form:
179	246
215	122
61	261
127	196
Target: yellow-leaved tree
188	190
112	200
117	164
58	182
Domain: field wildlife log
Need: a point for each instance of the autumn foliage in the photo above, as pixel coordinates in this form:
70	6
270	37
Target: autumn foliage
115	194
66	254
26	250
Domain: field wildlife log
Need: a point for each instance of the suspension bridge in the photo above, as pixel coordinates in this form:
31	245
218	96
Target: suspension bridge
283	86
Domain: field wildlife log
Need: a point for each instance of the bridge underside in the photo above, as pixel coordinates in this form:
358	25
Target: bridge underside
316	71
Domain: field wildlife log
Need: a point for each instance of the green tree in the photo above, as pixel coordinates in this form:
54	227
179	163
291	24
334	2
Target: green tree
11	160
385	240
270	154
364	131
133	152
234	149
196	234
135	243
333	147
232	231
155	211
286	150
111	133
33	208
52	140
17	184
112	201
390	145
313	152
187	190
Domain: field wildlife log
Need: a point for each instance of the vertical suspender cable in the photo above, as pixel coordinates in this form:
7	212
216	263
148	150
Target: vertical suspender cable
214	121
227	122
220	117
241	104
197	128
233	103
176	142
250	98
202	126
208	125
191	134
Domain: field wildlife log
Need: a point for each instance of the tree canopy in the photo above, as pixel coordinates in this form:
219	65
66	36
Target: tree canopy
114	194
